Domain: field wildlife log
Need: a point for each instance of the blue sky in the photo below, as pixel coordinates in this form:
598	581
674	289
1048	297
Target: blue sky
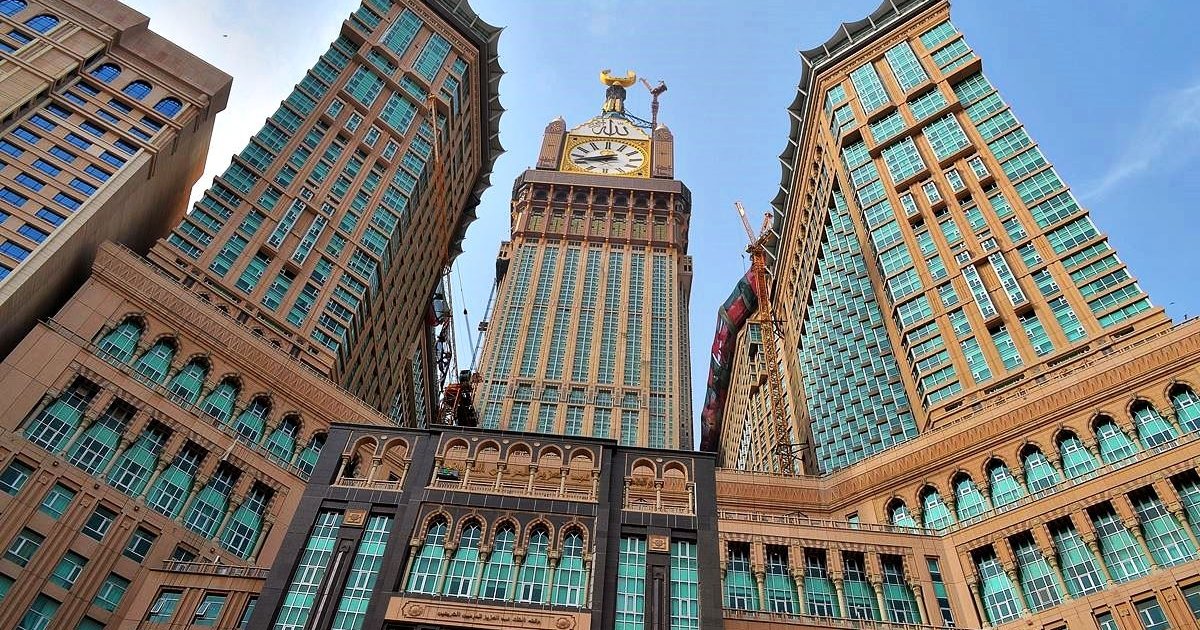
1109	88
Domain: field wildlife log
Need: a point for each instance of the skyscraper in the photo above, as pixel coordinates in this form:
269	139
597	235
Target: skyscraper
159	429
589	332
940	259
108	157
1004	432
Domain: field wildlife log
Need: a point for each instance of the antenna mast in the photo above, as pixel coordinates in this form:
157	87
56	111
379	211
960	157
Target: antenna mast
654	93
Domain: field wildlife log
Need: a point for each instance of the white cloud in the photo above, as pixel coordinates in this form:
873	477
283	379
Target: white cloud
1167	137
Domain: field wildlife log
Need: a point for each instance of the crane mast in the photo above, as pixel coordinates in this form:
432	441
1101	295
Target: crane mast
784	451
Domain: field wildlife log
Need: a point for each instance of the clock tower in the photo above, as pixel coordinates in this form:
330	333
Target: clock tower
589	331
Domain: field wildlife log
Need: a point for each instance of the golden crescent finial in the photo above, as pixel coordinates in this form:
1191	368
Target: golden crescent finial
607	79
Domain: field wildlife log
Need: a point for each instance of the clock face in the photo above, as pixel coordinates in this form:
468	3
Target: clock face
607	157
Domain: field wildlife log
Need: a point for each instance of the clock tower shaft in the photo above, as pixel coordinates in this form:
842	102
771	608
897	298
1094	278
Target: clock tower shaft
589	335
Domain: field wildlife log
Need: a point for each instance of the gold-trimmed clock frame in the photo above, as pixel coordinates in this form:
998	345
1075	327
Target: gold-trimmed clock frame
567	166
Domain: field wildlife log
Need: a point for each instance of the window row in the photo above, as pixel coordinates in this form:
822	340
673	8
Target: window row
137	89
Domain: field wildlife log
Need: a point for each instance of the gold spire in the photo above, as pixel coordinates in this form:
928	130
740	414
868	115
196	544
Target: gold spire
614	96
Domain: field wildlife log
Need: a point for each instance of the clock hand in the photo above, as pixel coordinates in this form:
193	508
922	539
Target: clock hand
596	158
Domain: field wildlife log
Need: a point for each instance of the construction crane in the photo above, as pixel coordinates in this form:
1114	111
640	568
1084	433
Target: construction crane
785	452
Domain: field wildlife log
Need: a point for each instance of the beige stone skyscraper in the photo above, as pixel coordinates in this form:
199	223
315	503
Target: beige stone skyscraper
589	332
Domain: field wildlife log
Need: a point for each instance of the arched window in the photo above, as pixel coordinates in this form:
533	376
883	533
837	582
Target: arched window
497	574
12	7
899	515
427	566
307	461
174	485
1003	487
937	515
154	363
741	593
120	342
460	577
244	527
106	72
251	422
135	465
137	89
1039	472
168	107
282	441
185	386
1187	407
42	23
1152	428
570	578
209	507
99	442
534	576
1077	460
219	402
1114	445
969	502
58	420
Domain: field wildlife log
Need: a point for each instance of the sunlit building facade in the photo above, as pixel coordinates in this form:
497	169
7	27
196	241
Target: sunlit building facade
158	430
1000	430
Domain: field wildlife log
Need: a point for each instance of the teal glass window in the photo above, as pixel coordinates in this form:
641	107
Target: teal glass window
14	476
251	423
938	34
899	514
1036	333
820	598
139	545
1040	474
209	610
945	136
631	584
1168	542
969	502
1120	550
1079	569
68	570
185	386
281	444
460	577
1151	614
93	450
905	66
307	460
741	592
364	86
940	593
253	272
120	342
861	601
685	586
56	501
427	566
173	486
1187	407
903	161
1003	486
364	571
976	361
1191	594
429	62
533	577
156	361
1152	429
871	93
1010	357
111	591
163	608
400	34
40	614
570	578
210	504
310	572
927	104
244	527
1037	578
898	598
1077	460
497	573
1001	600
887	127
778	586
937	514
219	402
23	546
1112	442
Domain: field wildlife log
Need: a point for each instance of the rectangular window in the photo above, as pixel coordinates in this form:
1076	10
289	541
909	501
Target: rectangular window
253	272
685	586
631	585
432	56
14	476
209	609
1010	357
68	570
40	614
57	500
164	607
945	136
1151	615
871	93
23	546
887	127
903	161
139	544
99	523
905	66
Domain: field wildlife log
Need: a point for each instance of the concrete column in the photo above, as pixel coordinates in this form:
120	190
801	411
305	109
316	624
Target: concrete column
980	606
